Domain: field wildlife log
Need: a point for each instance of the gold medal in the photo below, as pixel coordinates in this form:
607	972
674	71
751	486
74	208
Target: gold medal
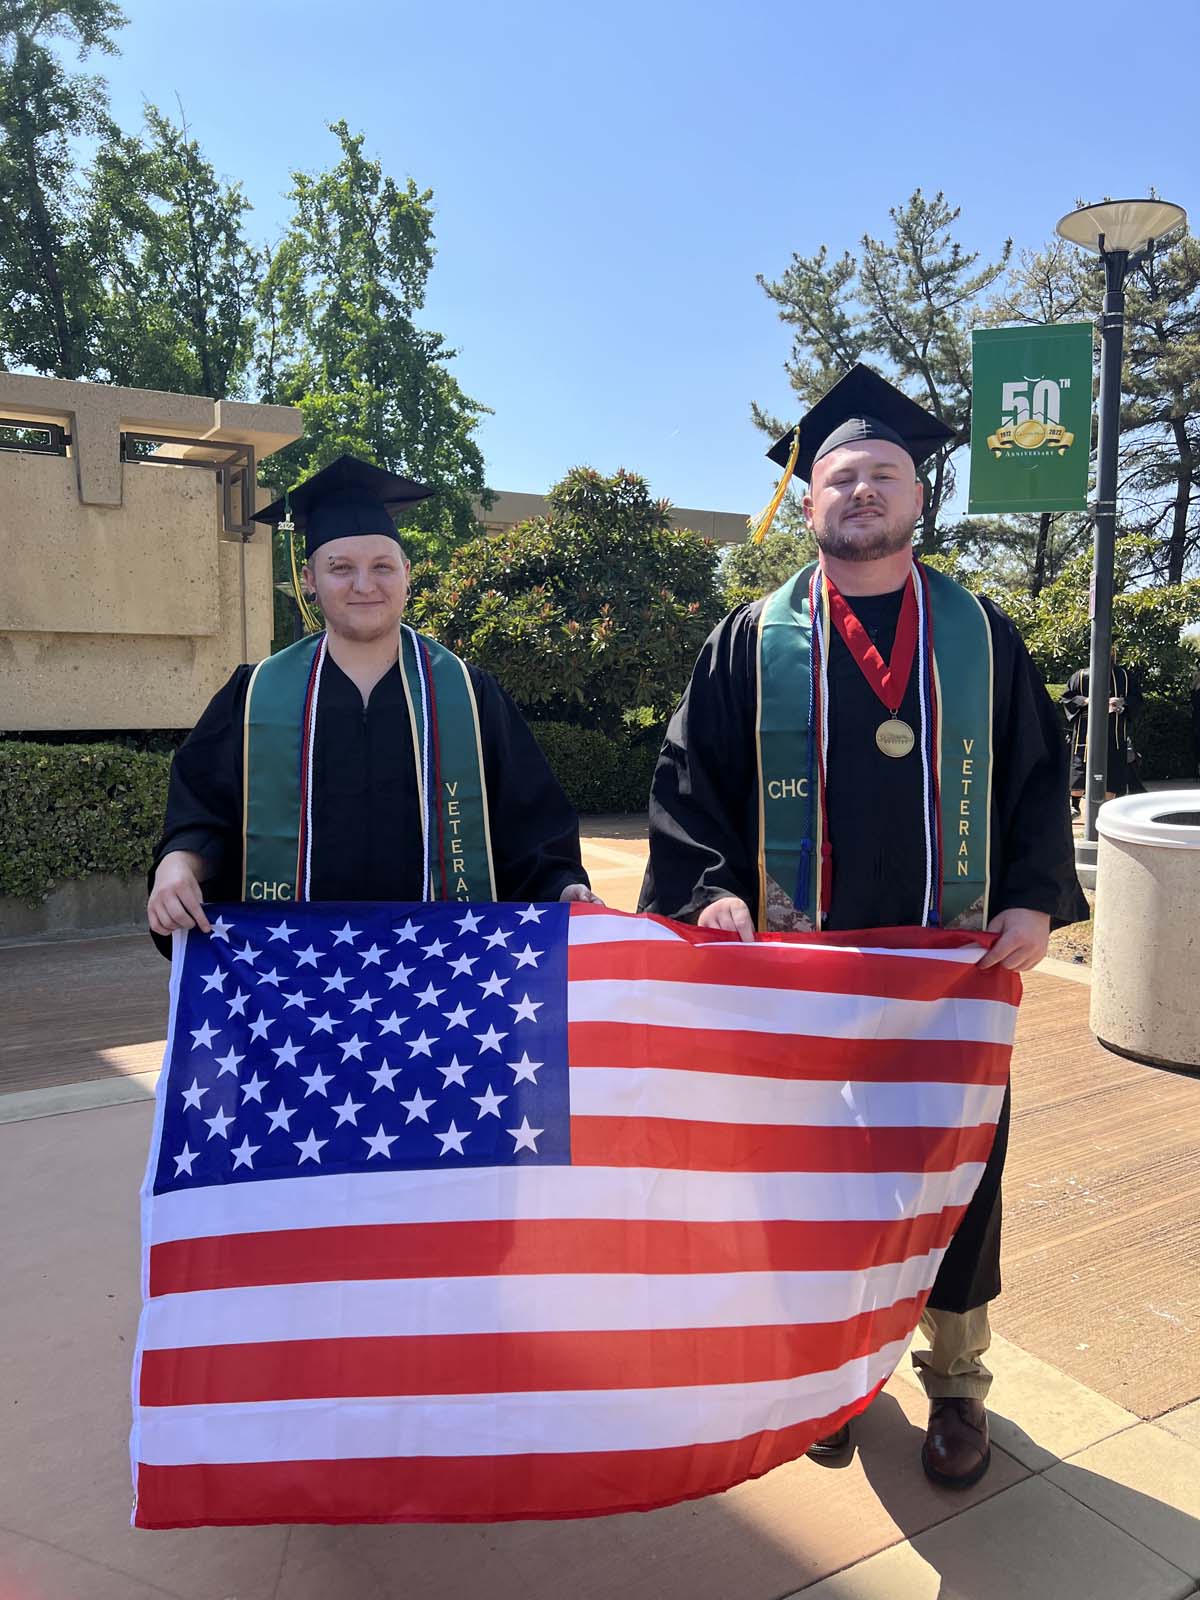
895	738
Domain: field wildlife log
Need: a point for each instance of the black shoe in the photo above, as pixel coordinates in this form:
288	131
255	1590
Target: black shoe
832	1446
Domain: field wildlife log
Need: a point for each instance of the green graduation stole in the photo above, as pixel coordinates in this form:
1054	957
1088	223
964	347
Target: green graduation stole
787	732
278	747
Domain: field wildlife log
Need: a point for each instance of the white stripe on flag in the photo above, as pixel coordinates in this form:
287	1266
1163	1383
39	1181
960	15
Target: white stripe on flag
599	929
502	1424
720	1008
476	1194
778	1102
527	1303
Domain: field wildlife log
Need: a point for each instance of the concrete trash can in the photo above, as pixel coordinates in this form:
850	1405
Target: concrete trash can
1146	946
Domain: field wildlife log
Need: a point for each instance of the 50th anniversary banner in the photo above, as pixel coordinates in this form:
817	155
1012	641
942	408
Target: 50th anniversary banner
1031	418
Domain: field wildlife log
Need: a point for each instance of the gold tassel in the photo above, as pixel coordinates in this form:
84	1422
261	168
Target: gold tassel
760	527
312	623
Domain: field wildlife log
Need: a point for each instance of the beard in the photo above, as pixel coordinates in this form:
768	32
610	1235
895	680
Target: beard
864	544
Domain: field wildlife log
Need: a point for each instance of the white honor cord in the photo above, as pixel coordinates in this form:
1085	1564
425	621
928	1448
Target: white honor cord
309	754
426	810
926	776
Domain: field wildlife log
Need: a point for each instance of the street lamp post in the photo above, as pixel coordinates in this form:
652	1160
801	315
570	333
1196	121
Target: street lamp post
1120	231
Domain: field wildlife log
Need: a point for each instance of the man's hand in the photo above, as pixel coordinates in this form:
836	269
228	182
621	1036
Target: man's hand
1024	936
731	914
175	900
580	892
1116	703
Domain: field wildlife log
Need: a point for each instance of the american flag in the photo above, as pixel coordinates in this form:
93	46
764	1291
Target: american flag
470	1213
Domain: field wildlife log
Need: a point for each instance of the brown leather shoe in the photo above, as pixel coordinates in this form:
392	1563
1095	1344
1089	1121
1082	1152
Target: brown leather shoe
832	1446
956	1452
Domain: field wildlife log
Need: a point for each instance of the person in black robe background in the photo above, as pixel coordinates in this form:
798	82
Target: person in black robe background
1124	702
704	818
366	823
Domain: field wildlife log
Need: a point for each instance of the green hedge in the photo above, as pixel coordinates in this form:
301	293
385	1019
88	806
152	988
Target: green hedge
67	810
599	773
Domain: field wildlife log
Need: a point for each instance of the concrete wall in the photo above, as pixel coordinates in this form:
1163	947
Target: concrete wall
125	602
511	506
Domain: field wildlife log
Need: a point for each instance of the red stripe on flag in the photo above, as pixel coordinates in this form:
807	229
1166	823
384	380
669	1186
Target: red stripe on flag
574	1245
756	966
727	1147
437	1488
774	1055
309	1369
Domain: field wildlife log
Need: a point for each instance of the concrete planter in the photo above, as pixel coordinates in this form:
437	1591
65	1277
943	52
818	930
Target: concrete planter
1146	955
102	903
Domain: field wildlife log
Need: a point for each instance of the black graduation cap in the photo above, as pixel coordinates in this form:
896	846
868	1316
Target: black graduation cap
862	405
346	498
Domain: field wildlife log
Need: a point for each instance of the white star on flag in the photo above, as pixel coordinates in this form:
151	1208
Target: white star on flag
352	1047
525	1136
183	1161
430	996
218	1124
458	1017
371	957
526	1010
420	1046
310	1148
322	1024
528	957
215	979
307	958
418	1106
258	1028
336	981
252	1089
365	1002
380	1143
489	1104
281	931
531	914
501	936
452	1139
285	1054
384	1075
203	1036
454	1073
401	974
468	922
220	930
491	1039
462	967
298	999
437	948
228	1063
281	1117
345	934
524	1071
249	955
191	1097
316	1082
272	977
348	1111
244	1153
408	933
237	1004
391	1024
493	985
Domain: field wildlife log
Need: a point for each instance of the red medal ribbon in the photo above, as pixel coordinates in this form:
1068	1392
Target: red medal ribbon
889	682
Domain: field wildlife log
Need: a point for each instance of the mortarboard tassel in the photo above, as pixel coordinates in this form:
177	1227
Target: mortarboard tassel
760	527
308	615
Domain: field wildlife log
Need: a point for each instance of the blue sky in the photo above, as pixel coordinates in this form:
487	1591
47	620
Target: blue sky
609	179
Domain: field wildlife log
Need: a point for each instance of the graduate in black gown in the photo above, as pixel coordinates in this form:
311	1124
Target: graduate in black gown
859	448
365	819
1125	700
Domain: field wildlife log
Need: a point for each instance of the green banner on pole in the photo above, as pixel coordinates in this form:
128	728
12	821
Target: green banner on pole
1031	417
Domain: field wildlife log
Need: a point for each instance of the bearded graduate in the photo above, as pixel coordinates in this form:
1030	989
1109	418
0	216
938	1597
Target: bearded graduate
366	762
871	746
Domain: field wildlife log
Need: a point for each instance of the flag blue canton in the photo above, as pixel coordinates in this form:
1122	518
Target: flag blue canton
354	1038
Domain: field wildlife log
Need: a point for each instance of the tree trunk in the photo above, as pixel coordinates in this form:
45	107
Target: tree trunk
43	234
1177	544
1037	582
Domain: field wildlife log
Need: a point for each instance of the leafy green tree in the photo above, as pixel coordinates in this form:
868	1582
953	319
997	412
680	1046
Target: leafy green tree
338	338
179	277
904	304
749	571
596	610
1020	551
48	278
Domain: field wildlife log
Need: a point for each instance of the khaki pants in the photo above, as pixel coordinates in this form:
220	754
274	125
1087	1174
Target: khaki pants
951	1367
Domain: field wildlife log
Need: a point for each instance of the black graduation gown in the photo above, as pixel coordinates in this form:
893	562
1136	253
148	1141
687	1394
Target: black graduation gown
1123	681
704	825
366	823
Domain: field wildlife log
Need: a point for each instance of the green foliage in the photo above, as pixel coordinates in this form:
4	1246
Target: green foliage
598	773
49	284
749	571
336	306
70	810
597	607
1162	736
904	304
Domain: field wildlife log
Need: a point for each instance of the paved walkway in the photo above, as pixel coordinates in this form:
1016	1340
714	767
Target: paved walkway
1095	1486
